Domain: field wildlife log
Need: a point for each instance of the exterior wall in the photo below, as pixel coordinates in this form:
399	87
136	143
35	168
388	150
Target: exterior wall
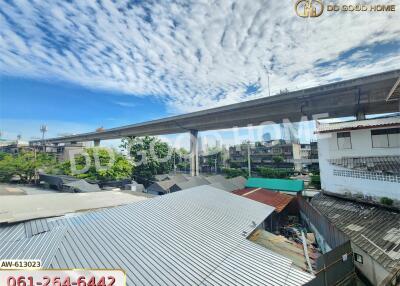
70	150
370	268
336	179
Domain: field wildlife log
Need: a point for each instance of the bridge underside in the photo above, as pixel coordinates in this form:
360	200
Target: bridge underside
373	94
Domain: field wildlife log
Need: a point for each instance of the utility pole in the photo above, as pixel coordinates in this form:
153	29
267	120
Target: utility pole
43	129
215	163
248	158
173	154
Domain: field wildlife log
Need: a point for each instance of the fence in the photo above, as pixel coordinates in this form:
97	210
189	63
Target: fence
335	267
331	233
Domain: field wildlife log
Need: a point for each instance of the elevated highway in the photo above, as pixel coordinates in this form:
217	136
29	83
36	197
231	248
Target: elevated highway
372	94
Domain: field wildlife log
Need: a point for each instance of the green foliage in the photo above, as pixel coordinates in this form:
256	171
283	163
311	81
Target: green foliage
24	165
120	169
316	181
277	160
386	201
151	156
279	173
232	172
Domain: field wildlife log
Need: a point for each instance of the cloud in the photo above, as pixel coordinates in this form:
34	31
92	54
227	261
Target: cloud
125	104
192	55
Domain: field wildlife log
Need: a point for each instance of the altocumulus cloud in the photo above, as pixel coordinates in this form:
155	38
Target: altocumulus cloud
192	54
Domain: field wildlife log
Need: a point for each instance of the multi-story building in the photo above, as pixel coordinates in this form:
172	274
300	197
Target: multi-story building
262	154
361	157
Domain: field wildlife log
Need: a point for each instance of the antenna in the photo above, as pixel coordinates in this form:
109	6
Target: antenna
43	129
269	88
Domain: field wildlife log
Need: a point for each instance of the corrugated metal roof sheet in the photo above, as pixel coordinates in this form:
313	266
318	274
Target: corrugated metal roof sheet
278	200
215	179
276	184
192	182
83	186
34	227
359	124
385	164
192	237
224	185
239	181
367	226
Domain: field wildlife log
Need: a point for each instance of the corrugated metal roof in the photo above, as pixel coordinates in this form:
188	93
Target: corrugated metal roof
278	200
83	186
215	179
385	164
162	186
34	227
374	229
276	184
239	181
224	185
192	182
359	124
192	237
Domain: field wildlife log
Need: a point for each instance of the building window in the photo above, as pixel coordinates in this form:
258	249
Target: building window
358	258
343	140
385	138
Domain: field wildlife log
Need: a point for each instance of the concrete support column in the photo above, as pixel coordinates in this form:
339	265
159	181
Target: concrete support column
194	153
360	115
96	142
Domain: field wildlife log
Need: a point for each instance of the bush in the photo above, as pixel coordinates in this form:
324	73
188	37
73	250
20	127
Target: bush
316	181
231	172
24	165
386	201
279	173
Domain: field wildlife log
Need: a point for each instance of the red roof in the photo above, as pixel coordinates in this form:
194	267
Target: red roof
278	200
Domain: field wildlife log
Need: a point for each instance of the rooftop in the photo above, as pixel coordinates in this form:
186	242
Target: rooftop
374	229
379	164
392	121
276	184
278	200
14	208
200	240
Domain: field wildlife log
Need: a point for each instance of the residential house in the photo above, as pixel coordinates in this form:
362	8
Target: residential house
361	157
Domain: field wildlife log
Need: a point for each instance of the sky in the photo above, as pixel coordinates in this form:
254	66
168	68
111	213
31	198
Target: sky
79	65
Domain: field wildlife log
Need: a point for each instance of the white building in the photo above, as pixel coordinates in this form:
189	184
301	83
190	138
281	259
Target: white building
361	157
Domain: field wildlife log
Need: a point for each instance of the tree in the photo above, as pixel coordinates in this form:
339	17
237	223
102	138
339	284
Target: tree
111	165
24	165
277	160
232	172
151	156
281	173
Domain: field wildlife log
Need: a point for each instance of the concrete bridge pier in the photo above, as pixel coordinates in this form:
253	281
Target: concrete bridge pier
194	153
96	142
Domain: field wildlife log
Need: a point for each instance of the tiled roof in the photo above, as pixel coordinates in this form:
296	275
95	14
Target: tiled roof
374	229
278	200
359	124
381	164
276	184
200	240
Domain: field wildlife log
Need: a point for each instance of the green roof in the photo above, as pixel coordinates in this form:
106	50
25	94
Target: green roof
276	184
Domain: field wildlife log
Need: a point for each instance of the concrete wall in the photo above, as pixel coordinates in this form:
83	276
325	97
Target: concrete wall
386	186
370	268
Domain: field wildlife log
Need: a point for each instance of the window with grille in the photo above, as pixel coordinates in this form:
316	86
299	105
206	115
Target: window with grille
344	140
385	138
